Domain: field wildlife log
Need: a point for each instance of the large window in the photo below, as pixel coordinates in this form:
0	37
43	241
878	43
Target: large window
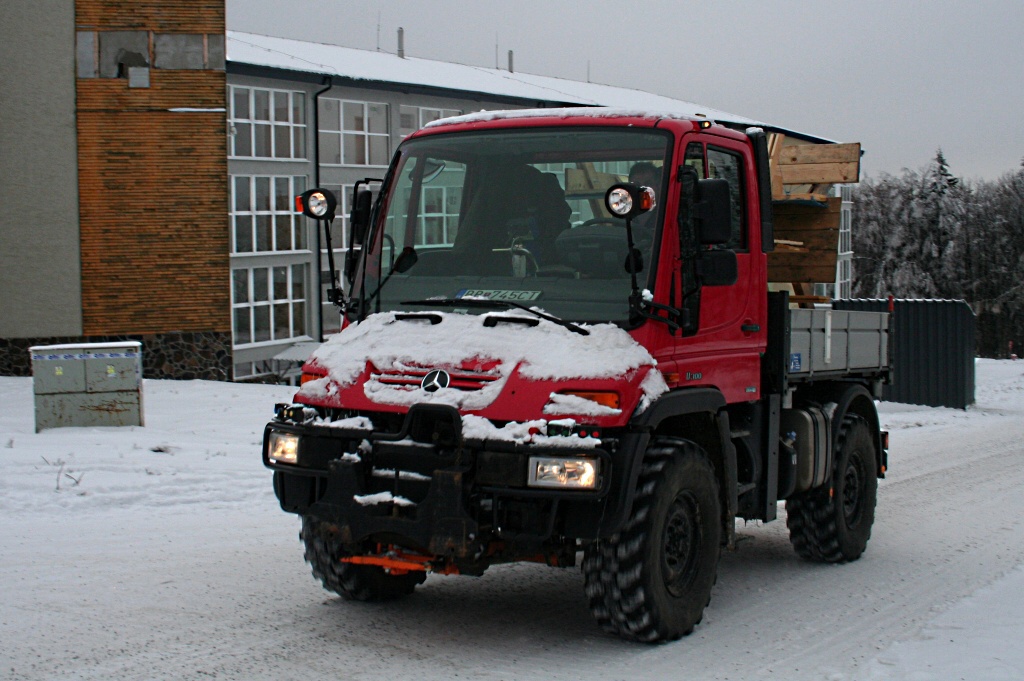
263	214
268	303
412	118
516	215
270	259
353	133
267	123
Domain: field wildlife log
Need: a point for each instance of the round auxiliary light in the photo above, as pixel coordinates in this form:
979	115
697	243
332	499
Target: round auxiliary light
318	204
619	201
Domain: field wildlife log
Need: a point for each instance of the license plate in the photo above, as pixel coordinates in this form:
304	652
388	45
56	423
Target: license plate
497	294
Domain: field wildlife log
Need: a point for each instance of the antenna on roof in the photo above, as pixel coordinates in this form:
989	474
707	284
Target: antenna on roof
510	62
401	43
378	31
588	70
496	65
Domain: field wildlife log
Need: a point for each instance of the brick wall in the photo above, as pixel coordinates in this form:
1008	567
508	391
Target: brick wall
181	16
153	184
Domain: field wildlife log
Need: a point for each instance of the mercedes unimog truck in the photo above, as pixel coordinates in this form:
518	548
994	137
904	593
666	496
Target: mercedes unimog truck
560	346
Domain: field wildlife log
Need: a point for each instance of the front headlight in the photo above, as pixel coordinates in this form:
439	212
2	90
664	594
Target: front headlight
562	473
283	447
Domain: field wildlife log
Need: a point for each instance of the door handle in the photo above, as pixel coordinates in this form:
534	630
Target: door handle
750	328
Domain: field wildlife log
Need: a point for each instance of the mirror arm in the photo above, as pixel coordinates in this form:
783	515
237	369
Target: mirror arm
643	308
334	293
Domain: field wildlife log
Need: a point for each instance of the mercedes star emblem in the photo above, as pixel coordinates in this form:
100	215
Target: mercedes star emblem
435	380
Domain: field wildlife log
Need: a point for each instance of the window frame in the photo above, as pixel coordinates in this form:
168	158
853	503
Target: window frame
252	302
365	136
248	125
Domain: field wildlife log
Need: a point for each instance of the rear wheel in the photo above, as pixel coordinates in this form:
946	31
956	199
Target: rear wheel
652	581
832	523
355	582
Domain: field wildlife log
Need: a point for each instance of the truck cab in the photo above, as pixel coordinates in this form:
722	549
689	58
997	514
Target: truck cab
560	339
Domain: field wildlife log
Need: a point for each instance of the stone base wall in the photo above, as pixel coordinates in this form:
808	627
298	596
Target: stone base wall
181	356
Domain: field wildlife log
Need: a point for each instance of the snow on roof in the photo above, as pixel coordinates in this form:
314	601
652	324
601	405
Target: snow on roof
563	112
347	62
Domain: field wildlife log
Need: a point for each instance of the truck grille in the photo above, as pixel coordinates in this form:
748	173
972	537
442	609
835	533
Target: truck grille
411	377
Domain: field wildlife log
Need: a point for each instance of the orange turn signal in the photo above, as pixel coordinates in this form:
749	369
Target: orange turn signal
604	398
306	378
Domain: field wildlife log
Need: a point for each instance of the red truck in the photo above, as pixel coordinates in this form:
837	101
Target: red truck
560	340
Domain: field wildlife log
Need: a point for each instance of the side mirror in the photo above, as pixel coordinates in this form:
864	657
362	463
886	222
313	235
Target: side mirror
713	212
362	205
717	268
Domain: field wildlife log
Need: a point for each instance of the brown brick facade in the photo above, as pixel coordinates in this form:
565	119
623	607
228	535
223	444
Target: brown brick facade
153	184
171	16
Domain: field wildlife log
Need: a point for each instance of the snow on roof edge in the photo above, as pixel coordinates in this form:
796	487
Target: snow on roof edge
346	62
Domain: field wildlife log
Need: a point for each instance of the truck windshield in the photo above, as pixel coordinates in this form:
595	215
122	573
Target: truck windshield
516	215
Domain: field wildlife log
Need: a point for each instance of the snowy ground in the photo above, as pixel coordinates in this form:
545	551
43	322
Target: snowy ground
160	553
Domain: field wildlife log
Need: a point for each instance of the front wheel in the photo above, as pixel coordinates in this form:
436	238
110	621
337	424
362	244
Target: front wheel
832	523
354	582
651	581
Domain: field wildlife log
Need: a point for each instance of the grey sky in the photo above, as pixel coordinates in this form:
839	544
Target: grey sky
903	78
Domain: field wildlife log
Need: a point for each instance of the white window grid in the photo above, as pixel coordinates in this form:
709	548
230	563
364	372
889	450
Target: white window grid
268	303
267	124
845	226
353	133
439	215
412	118
263	217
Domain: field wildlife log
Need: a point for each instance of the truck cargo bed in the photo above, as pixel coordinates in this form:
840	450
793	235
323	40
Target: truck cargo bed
839	342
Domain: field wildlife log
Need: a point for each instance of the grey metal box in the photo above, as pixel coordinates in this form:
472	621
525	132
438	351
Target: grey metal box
88	384
837	341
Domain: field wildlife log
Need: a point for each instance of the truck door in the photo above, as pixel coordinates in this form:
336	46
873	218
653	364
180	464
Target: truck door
724	346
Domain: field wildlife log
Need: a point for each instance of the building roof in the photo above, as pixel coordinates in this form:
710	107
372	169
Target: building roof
383	67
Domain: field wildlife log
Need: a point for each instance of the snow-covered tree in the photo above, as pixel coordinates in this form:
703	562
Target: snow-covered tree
929	234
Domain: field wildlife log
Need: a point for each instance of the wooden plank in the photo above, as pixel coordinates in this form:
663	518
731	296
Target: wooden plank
803	198
775	141
816	259
831	205
820	153
811	274
814	240
803	223
820	173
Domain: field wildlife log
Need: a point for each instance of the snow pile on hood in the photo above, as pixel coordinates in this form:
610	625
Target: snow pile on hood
546	351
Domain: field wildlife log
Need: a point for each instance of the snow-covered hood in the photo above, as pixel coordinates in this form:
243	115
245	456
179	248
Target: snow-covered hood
507	366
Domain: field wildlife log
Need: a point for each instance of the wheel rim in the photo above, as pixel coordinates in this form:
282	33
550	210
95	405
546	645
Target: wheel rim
681	544
852	486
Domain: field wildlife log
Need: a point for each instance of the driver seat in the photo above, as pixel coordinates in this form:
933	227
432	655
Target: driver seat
513	202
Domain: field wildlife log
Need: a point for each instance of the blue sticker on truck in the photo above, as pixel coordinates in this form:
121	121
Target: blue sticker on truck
795	362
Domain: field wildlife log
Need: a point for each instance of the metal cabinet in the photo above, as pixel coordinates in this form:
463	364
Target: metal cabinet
87	384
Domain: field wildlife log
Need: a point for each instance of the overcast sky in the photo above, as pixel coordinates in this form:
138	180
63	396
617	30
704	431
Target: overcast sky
903	77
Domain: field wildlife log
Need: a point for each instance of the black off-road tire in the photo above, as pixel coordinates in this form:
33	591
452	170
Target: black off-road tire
832	523
354	582
651	581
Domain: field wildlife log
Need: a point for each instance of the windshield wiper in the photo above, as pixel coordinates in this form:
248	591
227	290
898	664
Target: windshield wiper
497	305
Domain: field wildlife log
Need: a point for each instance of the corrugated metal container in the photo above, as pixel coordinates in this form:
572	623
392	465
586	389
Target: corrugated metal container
87	384
933	346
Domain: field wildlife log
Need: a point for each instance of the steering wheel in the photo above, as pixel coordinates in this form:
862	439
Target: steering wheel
602	221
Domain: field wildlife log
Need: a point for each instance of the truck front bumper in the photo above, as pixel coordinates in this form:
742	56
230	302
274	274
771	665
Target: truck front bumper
429	489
